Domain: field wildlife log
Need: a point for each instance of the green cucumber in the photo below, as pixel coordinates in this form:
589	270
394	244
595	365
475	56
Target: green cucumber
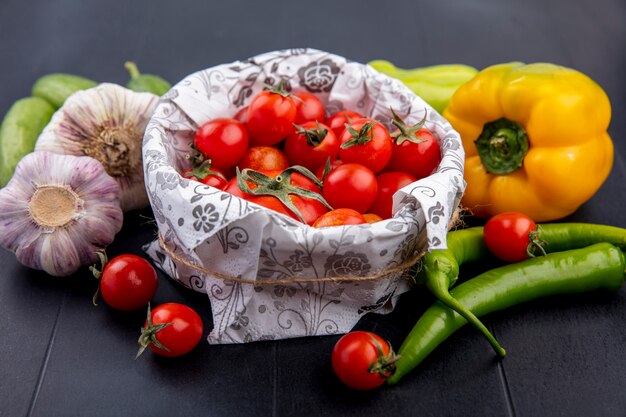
56	88
147	83
19	131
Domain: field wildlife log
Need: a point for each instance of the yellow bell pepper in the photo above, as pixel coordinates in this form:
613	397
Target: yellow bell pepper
535	138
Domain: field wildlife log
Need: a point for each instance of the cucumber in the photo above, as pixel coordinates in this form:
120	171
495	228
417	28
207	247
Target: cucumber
56	88
19	131
148	83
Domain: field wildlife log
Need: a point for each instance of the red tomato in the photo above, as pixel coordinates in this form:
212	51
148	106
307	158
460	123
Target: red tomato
242	115
127	282
510	236
308	108
350	186
363	360
337	121
340	217
263	158
310	209
372	218
215	178
369	147
312	145
319	173
177	338
388	184
223	141
417	159
270	117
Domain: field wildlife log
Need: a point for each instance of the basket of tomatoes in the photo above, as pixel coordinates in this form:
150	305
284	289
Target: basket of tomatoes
296	189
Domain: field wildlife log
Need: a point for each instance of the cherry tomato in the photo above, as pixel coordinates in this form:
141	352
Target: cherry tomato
508	236
308	108
339	217
242	115
362	360
350	186
223	141
310	209
215	179
337	121
311	145
369	147
127	282
388	184
263	158
319	173
270	117
372	218
417	159
176	339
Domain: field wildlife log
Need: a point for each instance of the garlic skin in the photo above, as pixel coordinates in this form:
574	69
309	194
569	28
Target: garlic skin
58	211
107	123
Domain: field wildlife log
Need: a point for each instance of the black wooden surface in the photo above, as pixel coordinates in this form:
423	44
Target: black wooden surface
60	356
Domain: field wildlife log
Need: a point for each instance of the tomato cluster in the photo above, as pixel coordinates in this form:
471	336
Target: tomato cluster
284	153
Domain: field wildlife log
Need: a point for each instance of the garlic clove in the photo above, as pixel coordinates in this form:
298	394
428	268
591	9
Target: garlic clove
58	211
107	123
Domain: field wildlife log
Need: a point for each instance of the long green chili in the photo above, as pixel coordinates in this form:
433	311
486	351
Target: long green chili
597	266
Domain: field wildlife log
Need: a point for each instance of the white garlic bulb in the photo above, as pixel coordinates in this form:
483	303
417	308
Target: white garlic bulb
58	211
106	122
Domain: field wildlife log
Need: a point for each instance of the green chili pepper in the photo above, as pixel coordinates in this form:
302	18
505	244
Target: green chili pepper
435	84
146	82
440	268
578	270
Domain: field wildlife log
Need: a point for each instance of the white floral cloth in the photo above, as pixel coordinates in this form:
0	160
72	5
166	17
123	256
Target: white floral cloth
209	234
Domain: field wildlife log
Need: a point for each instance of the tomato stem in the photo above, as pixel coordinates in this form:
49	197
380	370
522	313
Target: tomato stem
280	186
360	137
97	273
536	243
405	132
383	365
313	136
148	335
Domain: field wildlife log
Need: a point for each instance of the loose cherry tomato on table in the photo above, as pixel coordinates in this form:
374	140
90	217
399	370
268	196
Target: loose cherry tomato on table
171	329
350	186
388	184
366	142
415	150
298	191
311	145
337	121
127	282
363	360
263	158
309	108
340	217
512	236
271	115
223	141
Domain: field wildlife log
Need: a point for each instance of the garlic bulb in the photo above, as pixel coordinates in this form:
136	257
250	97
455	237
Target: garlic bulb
106	122
58	211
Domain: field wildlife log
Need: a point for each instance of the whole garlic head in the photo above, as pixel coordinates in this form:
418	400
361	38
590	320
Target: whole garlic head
58	211
107	123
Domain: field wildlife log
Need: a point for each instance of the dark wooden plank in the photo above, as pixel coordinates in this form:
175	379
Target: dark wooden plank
62	356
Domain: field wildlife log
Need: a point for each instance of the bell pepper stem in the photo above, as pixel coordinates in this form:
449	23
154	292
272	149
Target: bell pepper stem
502	146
